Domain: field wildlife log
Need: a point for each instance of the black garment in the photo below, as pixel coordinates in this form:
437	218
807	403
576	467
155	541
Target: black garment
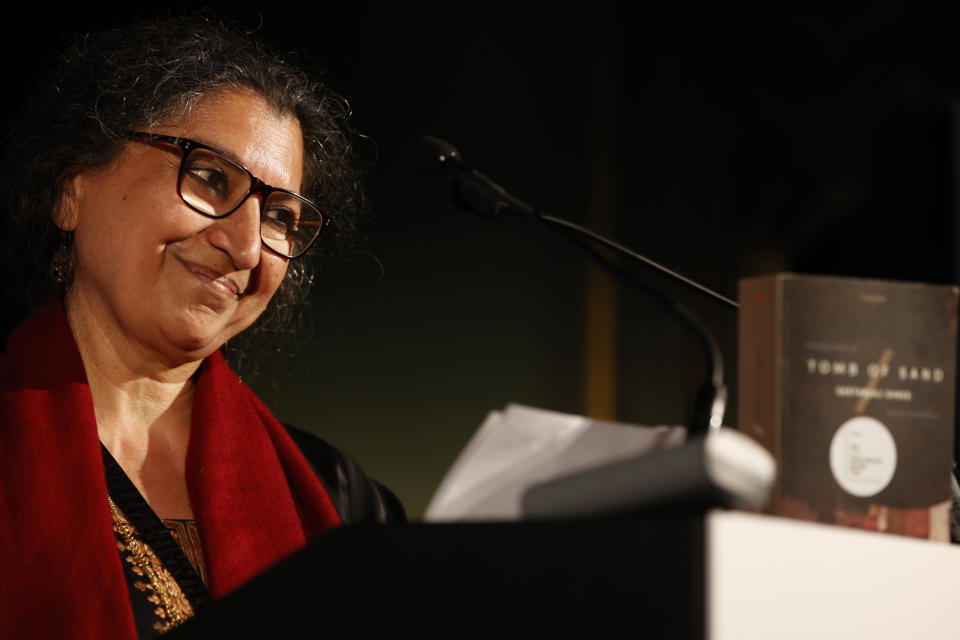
358	498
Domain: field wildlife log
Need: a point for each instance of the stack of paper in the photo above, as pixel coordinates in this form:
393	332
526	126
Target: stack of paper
521	446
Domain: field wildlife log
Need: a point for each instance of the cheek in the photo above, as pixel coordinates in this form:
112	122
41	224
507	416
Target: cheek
102	250
150	221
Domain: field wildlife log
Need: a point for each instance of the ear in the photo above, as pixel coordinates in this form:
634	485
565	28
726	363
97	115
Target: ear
66	212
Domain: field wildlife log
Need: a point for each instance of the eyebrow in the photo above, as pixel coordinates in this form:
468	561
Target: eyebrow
213	147
228	155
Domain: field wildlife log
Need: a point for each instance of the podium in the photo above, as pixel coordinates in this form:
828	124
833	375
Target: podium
722	575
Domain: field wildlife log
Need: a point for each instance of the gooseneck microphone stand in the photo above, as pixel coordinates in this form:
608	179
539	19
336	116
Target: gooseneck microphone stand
477	194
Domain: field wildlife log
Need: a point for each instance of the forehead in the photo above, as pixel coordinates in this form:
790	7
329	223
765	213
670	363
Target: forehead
248	129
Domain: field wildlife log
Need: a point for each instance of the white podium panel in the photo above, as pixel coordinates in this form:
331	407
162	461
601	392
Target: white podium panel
773	578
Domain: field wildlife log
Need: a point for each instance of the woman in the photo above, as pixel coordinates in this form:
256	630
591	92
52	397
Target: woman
159	175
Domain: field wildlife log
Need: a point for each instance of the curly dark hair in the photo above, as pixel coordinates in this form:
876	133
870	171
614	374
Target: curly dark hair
113	81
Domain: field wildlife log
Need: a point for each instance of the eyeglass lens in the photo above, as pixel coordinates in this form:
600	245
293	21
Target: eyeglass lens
215	186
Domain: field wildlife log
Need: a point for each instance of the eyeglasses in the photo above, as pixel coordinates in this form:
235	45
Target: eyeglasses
215	186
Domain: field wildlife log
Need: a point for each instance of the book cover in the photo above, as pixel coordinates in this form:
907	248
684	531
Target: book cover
850	383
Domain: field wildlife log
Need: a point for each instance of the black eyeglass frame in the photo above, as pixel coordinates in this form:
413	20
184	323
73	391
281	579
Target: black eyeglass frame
257	186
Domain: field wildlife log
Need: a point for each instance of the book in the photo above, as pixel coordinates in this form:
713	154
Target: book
850	384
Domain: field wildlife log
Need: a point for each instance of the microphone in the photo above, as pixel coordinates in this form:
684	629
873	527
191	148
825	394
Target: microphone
478	194
472	190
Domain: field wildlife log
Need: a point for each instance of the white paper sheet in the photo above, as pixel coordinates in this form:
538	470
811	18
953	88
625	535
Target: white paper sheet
521	446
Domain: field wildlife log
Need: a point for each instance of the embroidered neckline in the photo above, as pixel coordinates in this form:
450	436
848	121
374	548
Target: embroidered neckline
176	608
154	533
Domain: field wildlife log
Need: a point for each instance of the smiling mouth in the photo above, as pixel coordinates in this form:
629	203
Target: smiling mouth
218	282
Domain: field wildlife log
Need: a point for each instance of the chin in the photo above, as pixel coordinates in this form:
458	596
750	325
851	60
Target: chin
192	333
192	348
196	337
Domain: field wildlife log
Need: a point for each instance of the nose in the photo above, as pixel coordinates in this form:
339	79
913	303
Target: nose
238	235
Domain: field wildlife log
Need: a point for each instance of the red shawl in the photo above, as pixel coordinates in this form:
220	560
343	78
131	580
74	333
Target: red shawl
254	495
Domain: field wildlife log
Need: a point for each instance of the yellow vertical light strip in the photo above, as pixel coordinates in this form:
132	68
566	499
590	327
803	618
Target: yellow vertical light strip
600	384
600	297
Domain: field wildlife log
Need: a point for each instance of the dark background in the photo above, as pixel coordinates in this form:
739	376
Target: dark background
721	141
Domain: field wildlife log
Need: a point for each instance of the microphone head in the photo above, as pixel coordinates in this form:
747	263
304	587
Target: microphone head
434	157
